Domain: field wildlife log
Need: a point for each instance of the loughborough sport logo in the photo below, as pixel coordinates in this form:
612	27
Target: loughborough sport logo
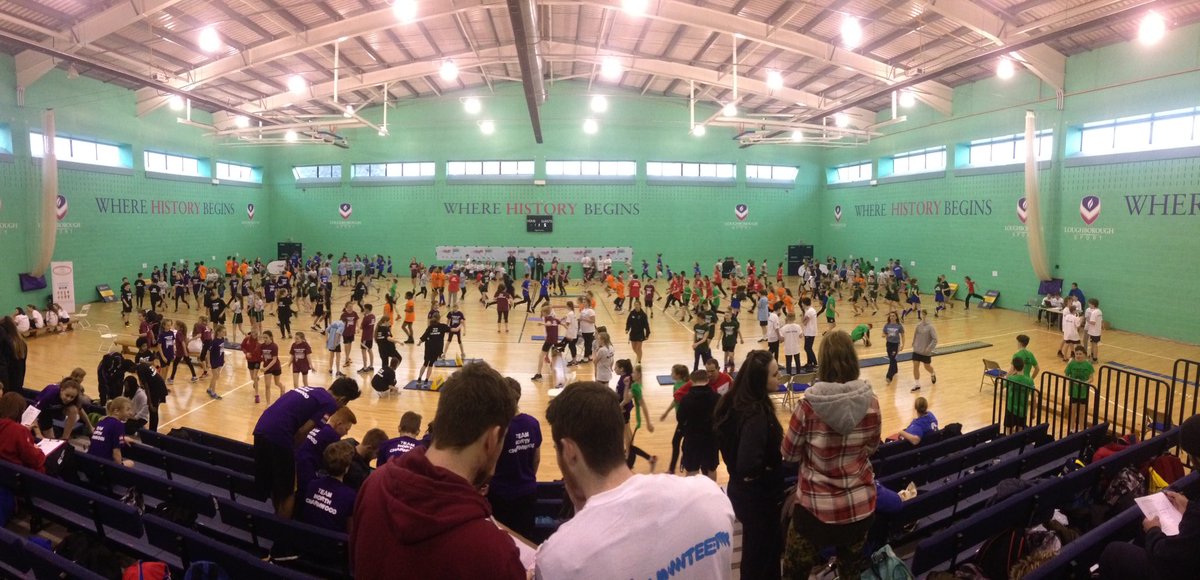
1089	209
345	210
60	207
1023	209
837	213
250	211
741	211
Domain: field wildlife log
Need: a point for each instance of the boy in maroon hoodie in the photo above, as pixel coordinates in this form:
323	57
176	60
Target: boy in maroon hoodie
422	515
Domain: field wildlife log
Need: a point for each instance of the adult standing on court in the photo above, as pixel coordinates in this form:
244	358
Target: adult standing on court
749	437
638	328
422	515
925	339
611	535
832	434
283	425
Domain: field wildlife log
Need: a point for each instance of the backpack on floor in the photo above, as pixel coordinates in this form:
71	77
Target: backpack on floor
886	565
205	571
1163	471
1127	481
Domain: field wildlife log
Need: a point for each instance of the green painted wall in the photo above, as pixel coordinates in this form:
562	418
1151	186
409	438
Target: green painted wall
105	243
685	223
1136	264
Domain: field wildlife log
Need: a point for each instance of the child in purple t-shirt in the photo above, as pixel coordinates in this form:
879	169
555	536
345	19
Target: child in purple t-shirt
309	453
513	489
329	503
109	435
410	427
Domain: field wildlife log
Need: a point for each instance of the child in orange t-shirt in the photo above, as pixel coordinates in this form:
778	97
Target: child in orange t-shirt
410	314
619	287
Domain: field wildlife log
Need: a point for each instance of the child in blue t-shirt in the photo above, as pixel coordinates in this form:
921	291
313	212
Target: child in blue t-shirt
328	502
108	437
920	427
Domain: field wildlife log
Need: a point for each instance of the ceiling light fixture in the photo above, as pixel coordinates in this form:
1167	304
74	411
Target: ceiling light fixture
852	32
472	105
209	40
348	112
599	104
176	103
1152	29
797	136
241	121
634	7
405	10
907	99
842	120
774	80
611	68
296	84
699	130
1005	69
487	126
383	131
729	110
290	136
449	70
590	126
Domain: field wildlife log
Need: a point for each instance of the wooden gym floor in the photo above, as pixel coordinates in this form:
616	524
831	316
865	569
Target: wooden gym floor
955	398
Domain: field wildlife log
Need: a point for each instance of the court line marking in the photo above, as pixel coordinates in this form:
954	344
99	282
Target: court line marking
206	403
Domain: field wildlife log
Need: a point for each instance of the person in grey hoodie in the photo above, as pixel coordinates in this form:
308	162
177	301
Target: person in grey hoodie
924	341
832	434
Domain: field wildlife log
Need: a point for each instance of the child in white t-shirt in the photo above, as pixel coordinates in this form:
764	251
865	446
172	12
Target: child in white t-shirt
791	335
1094	324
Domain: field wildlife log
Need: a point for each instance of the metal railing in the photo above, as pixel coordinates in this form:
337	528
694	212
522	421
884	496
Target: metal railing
1067	405
1134	403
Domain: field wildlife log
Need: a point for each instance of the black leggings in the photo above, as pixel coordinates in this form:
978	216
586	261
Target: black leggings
808	350
700	357
892	349
154	416
972	295
634	453
541	298
185	359
524	300
501	316
285	327
676	439
773	347
588	337
570	344
789	358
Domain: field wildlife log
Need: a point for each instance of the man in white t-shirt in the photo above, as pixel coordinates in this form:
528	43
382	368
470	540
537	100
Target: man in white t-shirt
1094	324
626	525
568	327
587	327
810	334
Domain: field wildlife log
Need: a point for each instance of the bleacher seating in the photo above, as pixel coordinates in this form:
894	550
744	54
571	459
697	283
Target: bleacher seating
325	551
18	556
115	479
962	460
1021	508
215	441
184	448
905	456
191	546
1075	559
234	483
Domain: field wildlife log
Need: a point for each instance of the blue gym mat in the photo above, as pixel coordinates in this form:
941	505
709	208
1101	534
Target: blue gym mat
534	319
665	380
907	356
449	362
538	338
419	386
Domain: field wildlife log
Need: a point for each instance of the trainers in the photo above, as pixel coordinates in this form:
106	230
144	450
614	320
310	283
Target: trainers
933	379
194	379
170	381
341	376
362	370
537	377
915	388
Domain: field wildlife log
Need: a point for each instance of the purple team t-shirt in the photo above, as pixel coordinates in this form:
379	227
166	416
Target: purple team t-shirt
49	397
308	454
515	476
279	423
328	503
108	435
395	448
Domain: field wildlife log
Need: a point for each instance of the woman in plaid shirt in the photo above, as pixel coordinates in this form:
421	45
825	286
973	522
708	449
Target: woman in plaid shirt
833	432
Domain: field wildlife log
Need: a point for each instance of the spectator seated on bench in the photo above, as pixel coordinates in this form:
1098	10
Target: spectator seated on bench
1163	557
921	427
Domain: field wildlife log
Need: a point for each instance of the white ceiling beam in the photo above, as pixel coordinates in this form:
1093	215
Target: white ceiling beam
553	52
1045	62
32	65
358	25
678	12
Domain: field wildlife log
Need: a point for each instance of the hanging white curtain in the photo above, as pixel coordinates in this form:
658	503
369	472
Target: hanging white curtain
1036	238
42	249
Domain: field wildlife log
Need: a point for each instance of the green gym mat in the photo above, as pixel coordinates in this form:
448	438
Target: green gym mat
907	356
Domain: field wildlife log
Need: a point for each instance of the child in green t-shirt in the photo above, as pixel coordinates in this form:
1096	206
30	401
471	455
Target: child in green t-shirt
1080	371
639	410
1031	363
679	374
1020	388
862	332
830	312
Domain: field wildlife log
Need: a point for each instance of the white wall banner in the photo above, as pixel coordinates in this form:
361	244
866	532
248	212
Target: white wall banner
62	280
501	253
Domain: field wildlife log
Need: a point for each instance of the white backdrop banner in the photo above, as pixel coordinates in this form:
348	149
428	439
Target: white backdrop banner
62	279
501	253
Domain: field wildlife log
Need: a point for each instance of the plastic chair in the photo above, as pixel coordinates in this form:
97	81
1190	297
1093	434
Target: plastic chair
82	317
992	370
107	338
